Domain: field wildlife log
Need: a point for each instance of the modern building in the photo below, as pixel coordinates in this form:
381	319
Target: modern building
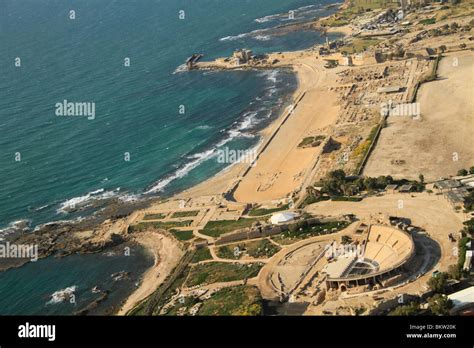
462	299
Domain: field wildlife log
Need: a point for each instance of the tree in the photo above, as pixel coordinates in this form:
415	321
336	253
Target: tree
382	181
469	203
471	170
438	282
440	304
338	175
469	226
413	308
454	272
462	172
422	178
370	183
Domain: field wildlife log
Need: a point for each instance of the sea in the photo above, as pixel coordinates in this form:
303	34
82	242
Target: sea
156	128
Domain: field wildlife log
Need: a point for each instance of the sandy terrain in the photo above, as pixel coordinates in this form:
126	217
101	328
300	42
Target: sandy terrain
428	211
167	254
431	212
282	166
426	146
285	269
429	146
277	173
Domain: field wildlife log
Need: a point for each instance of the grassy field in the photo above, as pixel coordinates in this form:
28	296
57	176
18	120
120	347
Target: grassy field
291	237
238	300
264	211
155	225
312	199
358	45
311	141
180	214
373	4
213	272
158	216
256	249
201	255
216	228
177	283
182	235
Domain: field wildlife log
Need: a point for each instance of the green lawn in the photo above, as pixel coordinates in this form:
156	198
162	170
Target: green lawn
182	235
290	237
312	141
216	228
154	216
264	211
359	45
179	214
201	255
155	225
256	249
373	4
213	272
238	300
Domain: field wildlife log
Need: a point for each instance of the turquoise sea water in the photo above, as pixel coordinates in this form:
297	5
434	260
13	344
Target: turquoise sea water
137	107
29	290
73	160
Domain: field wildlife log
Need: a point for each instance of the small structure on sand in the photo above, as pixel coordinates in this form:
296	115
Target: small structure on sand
280	218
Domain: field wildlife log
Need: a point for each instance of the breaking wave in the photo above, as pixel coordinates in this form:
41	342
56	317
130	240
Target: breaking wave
62	295
239	129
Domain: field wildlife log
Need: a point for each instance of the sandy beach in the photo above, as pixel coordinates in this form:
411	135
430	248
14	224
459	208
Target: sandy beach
167	253
337	103
276	173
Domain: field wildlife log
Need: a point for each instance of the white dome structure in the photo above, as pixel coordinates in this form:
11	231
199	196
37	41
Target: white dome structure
280	218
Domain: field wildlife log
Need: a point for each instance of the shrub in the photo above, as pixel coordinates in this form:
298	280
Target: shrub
438	282
440	304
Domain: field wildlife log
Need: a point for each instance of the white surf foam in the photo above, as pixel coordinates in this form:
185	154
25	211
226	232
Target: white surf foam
62	295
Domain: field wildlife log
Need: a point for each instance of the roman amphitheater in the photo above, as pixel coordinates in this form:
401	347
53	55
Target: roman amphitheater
376	256
385	252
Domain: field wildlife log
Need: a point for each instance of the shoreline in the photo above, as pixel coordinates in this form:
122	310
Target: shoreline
167	253
217	184
308	79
